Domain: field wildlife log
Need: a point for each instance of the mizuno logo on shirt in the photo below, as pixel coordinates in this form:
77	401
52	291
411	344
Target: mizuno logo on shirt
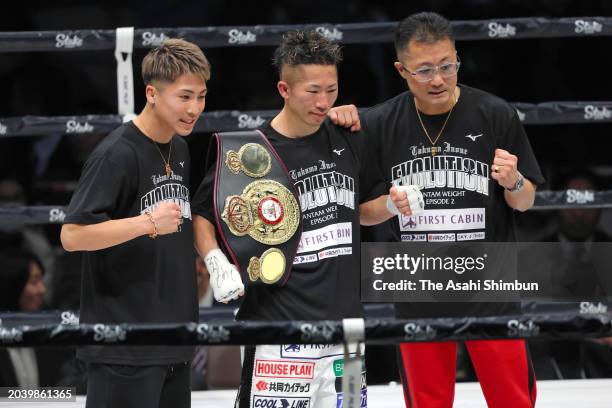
338	152
473	137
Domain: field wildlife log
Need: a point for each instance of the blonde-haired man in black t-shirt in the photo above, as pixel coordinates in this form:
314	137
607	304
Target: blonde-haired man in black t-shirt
131	215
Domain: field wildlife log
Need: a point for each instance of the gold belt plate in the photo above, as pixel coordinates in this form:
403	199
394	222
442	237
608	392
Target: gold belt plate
252	159
266	211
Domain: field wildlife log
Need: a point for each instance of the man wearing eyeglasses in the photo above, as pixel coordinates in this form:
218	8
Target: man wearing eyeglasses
459	163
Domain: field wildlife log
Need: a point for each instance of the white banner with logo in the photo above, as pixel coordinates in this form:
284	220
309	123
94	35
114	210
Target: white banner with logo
444	220
331	235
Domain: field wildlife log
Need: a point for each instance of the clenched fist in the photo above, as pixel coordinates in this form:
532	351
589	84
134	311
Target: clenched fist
405	200
346	116
505	169
167	218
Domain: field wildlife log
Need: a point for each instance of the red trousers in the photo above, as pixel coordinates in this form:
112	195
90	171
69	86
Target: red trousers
503	368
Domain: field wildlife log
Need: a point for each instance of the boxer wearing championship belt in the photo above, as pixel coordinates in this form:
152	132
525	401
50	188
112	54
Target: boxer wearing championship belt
257	213
323	163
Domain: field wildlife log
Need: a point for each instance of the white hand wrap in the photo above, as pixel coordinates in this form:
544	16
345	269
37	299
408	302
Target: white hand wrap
415	200
225	279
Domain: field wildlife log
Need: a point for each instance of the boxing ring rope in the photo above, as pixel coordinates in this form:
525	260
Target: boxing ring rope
377	331
267	35
546	113
217	327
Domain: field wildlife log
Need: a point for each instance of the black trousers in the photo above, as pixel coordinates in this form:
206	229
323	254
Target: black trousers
119	386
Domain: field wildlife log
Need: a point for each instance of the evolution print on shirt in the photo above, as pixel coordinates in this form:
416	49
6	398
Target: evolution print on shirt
442	171
451	183
324	187
172	190
322	190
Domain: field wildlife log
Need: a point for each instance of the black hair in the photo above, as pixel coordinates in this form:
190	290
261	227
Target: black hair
425	27
14	275
305	47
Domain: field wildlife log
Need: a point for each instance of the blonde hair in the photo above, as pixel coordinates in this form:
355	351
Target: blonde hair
175	57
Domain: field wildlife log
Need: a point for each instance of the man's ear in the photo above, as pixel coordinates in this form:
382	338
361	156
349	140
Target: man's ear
150	93
400	69
283	89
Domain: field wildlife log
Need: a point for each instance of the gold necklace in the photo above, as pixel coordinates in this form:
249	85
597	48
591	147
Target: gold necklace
167	167
434	141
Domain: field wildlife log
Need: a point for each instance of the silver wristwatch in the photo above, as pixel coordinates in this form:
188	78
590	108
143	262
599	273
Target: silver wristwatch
520	182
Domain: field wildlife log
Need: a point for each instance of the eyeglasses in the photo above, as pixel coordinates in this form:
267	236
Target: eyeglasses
426	74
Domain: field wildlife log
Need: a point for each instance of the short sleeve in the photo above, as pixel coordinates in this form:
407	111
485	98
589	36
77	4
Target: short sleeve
516	142
97	194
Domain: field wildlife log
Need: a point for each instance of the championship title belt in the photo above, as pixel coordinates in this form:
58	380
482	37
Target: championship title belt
256	207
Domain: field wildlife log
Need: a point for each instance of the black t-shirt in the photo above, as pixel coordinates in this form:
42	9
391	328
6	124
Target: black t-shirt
324	281
462	201
143	280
